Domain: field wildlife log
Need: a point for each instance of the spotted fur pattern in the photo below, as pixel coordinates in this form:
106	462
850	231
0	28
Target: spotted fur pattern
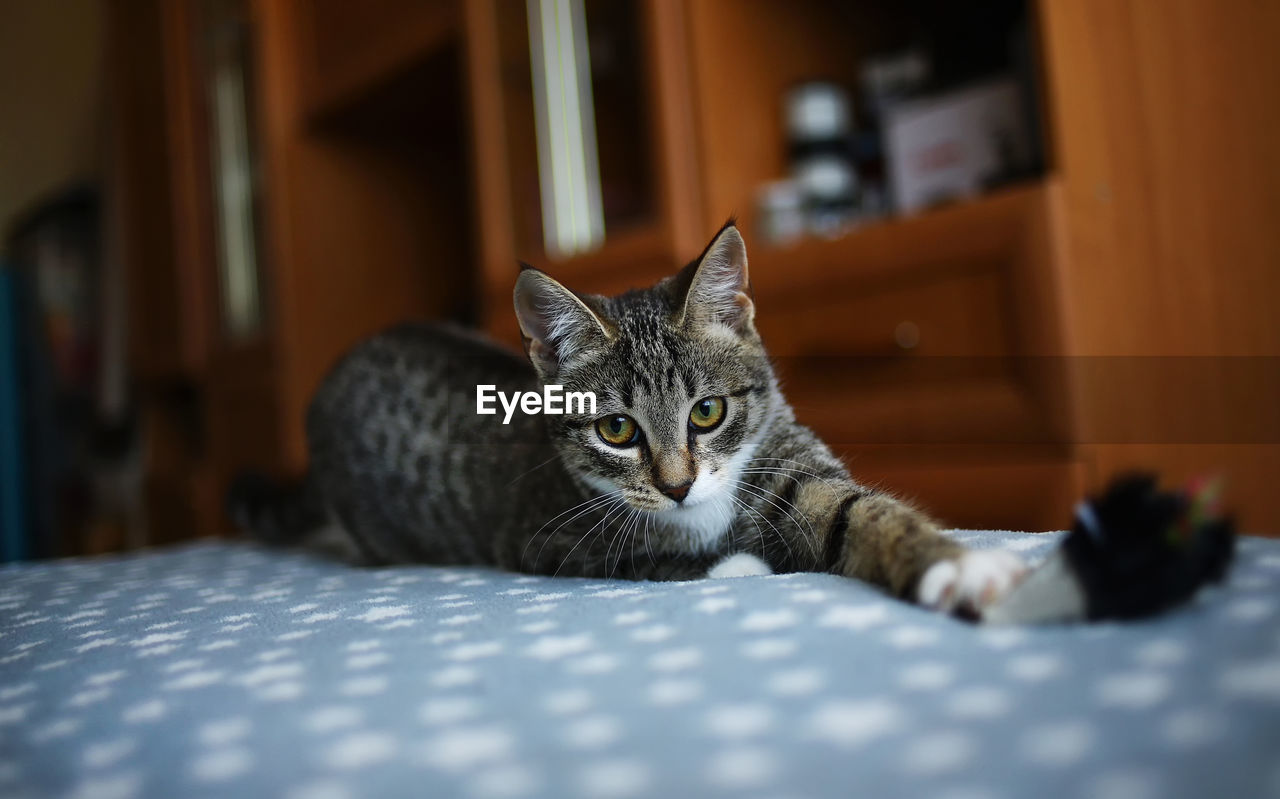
401	461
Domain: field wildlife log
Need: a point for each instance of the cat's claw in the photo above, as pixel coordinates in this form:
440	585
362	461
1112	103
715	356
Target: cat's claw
971	582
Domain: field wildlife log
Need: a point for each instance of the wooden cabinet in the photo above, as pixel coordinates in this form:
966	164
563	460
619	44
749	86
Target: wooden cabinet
1164	121
958	355
361	198
1124	286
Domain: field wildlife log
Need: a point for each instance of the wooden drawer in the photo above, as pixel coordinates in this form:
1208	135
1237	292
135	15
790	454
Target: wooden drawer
1034	495
924	362
957	315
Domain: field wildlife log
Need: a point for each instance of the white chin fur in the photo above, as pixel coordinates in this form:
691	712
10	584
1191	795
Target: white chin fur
702	525
707	514
739	565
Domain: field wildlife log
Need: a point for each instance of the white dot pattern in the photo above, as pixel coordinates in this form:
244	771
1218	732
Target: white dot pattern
226	669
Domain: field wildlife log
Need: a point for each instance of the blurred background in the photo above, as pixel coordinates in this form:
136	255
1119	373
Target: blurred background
1001	250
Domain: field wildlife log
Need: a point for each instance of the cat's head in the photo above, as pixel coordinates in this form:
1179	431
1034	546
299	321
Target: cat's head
684	389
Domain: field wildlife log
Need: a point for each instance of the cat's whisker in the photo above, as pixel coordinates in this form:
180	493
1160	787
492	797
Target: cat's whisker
588	501
801	468
763	546
639	522
731	516
587	506
726	519
648	524
613	508
629	541
779	498
797	523
609	508
795	465
616	516
609	546
782	474
634	524
591	504
523	475
726	512
781	471
619	538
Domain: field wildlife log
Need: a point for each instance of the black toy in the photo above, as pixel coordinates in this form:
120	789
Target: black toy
1133	551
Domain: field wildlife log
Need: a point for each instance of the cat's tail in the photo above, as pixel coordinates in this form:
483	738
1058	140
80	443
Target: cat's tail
275	512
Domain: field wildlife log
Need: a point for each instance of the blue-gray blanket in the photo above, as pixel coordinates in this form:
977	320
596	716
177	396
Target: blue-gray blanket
223	669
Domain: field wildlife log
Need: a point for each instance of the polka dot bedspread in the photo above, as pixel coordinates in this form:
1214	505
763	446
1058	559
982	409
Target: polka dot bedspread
224	669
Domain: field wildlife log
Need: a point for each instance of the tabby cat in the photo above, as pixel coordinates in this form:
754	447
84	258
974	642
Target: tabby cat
692	464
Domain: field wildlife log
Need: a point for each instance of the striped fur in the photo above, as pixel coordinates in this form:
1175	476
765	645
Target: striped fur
402	462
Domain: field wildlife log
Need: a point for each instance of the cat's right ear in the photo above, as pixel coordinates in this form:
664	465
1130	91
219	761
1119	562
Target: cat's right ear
557	326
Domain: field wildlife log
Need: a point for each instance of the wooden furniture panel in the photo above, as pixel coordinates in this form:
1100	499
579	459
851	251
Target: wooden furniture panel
966	279
1165	119
972	491
991	231
845	366
1167	123
163	341
367	202
960	315
386	139
345	47
153	171
1249	472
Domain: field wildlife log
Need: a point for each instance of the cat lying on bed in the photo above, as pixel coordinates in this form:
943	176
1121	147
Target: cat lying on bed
692	464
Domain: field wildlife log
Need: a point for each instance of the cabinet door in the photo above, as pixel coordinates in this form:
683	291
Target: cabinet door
213	83
576	97
591	166
223	50
1165	127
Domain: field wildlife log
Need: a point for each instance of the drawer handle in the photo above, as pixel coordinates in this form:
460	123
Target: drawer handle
907	335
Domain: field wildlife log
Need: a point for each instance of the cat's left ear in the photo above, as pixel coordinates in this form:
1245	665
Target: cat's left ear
718	288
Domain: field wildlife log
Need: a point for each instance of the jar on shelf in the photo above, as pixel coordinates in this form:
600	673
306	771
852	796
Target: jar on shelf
819	132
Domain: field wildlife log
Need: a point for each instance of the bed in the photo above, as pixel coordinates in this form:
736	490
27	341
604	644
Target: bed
226	669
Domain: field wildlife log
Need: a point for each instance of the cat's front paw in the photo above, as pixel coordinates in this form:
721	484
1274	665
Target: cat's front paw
739	565
971	582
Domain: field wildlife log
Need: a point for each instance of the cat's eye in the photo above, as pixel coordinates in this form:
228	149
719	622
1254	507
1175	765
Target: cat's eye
707	413
617	431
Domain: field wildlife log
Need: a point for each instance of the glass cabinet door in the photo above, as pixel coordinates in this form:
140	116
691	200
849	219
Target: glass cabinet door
225	49
576	107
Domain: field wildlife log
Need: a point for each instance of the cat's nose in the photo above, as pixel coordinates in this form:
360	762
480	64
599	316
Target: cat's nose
676	492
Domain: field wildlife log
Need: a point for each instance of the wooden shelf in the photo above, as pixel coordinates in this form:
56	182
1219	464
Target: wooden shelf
345	48
980	233
626	259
